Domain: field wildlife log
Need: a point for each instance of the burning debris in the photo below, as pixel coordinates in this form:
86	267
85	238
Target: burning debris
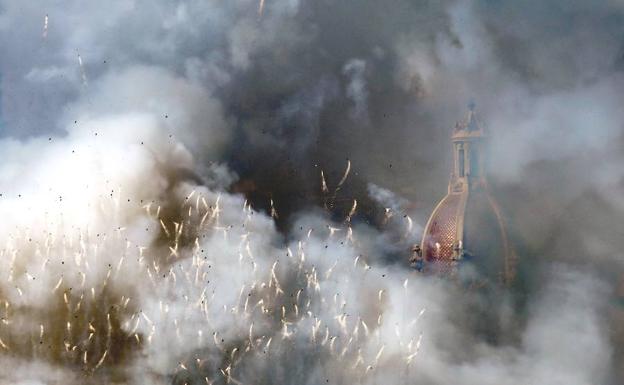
220	302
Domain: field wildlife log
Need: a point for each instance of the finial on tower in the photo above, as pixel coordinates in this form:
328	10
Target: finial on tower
470	123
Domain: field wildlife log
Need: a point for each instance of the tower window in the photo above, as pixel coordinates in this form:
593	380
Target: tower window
460	159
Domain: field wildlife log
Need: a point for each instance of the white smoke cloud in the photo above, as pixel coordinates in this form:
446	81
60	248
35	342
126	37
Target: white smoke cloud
225	298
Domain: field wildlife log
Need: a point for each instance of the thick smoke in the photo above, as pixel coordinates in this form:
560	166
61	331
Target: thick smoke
165	219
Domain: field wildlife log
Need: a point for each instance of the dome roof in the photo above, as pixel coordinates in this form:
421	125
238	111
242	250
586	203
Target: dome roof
440	238
467	226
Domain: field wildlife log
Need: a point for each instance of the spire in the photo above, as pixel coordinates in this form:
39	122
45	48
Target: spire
471	123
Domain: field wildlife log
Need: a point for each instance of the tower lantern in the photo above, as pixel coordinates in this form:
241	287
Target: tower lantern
468	152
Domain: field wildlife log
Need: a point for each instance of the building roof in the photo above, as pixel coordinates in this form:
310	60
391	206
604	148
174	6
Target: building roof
467	223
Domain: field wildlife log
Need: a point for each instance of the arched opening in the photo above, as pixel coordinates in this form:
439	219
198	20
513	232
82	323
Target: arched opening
460	159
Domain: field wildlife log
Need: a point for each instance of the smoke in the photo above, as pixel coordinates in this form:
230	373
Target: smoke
356	89
143	142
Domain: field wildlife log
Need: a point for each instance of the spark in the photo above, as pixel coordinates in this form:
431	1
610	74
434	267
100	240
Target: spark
83	73
273	211
45	27
379	353
323	183
410	224
344	176
101	361
332	230
60	281
285	333
410	357
162	224
352	212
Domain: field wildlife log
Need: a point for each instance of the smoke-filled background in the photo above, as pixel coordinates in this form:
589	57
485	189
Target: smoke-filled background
165	221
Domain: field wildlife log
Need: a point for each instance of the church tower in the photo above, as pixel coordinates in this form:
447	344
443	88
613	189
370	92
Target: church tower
465	236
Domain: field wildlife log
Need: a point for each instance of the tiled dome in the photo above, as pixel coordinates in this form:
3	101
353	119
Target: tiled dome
466	227
439	241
